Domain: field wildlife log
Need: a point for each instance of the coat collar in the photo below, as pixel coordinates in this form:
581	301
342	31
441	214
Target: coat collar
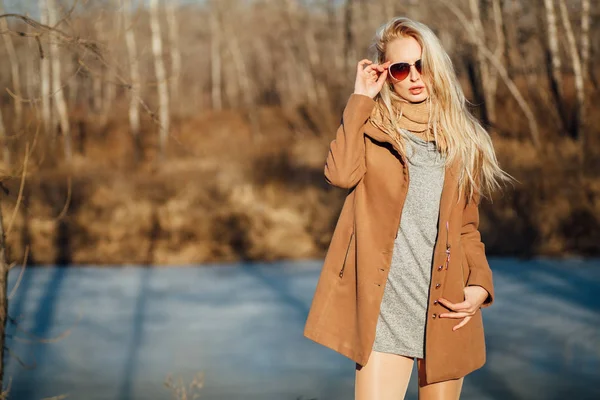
449	187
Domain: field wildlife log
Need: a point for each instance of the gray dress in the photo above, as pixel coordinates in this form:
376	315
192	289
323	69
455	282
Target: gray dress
401	323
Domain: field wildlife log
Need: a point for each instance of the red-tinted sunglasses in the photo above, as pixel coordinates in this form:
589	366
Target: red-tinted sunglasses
399	71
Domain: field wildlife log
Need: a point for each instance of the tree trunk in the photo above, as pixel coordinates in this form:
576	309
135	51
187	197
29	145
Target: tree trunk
498	53
579	89
4	268
97	86
350	58
482	65
59	98
172	6
585	38
134	72
555	60
16	81
4	140
161	77
215	58
414	10
45	81
110	89
241	71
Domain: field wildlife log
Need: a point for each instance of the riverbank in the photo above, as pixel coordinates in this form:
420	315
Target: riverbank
235	189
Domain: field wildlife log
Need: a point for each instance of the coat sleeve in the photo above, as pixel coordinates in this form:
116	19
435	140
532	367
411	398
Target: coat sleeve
480	271
345	164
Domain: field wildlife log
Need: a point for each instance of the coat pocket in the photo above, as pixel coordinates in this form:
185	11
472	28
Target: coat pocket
341	274
464	267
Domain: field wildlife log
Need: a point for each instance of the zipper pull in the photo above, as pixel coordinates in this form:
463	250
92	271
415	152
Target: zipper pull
447	245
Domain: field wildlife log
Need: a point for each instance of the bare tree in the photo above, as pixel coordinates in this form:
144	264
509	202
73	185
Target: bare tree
134	72
494	62
161	76
414	9
45	79
499	54
110	89
215	56
483	68
555	76
350	54
585	38
387	9
57	87
16	81
174	48
576	60
301	54
4	268
97	77
4	139
235	52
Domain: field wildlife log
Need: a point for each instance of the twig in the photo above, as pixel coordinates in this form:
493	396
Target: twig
21	187
20	196
38	339
501	70
23	265
16	357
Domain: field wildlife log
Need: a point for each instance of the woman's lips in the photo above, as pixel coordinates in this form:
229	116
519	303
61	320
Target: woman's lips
416	90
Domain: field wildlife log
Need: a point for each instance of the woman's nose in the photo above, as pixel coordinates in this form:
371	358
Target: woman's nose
414	74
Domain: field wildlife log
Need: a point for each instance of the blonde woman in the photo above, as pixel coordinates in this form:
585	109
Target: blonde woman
406	274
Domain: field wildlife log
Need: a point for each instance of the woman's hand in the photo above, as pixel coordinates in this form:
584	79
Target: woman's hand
370	79
474	298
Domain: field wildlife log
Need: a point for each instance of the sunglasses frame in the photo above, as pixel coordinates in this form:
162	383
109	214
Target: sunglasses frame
409	65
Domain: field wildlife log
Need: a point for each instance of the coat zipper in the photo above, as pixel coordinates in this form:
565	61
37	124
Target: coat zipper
346	256
341	274
447	245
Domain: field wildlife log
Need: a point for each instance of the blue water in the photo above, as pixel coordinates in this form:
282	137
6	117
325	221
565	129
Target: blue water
125	329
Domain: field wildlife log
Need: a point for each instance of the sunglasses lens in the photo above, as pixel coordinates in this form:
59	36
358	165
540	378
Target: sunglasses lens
419	66
400	70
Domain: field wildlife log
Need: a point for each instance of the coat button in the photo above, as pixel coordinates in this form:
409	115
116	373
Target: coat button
435	302
437	285
440	267
434	315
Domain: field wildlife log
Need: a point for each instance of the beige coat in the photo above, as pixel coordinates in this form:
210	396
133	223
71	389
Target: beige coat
345	308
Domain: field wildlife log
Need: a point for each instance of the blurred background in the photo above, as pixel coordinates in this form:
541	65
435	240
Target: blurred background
162	175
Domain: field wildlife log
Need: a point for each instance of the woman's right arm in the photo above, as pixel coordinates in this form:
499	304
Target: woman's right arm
345	164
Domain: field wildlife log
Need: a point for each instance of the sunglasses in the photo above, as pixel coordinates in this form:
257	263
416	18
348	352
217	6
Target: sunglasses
399	71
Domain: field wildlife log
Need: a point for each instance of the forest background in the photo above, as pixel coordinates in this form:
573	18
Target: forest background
166	132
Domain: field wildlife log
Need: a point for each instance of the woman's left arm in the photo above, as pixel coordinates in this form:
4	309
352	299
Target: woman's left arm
480	271
479	292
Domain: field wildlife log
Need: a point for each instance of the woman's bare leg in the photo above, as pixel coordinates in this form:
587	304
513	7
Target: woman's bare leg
446	390
384	377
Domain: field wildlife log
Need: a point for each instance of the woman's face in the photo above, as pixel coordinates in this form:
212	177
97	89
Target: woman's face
412	88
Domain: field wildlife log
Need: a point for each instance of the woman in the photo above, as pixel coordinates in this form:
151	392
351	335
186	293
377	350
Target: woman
406	274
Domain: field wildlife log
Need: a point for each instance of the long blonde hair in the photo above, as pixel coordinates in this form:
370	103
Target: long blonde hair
456	131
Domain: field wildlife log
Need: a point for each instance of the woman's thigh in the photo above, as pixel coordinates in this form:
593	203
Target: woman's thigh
384	377
446	390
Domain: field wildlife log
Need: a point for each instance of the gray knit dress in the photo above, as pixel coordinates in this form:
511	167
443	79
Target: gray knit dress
401	323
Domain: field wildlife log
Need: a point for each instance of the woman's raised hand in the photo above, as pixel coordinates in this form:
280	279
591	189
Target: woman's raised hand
370	79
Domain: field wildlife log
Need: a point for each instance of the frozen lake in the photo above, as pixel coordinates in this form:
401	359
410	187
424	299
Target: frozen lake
241	325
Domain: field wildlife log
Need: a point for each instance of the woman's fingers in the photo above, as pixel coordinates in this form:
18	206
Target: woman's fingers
462	306
456	315
370	77
462	323
382	78
361	63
